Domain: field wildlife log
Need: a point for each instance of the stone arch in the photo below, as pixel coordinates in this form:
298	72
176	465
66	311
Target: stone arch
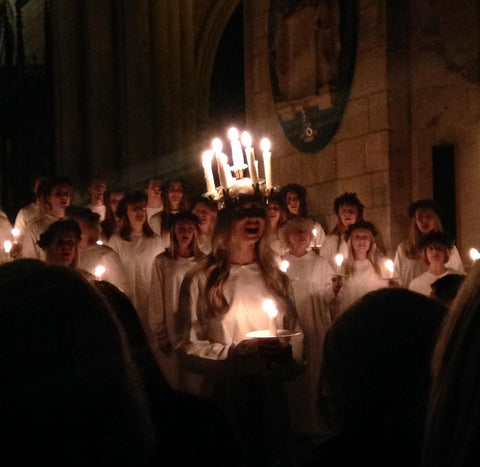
212	30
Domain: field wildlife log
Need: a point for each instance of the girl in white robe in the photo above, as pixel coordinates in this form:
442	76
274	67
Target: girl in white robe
364	269
221	302
276	217
169	269
424	218
206	211
349	209
435	249
137	246
311	278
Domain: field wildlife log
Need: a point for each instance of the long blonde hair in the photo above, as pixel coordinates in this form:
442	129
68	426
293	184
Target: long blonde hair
372	254
219	263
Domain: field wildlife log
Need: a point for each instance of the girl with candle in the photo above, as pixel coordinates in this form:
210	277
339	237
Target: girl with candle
348	209
294	197
221	301
424	218
169	269
435	250
174	196
136	245
364	269
311	278
206	210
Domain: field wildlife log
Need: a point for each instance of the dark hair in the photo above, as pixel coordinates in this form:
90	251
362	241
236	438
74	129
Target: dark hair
425	204
86	215
302	196
352	200
207	201
375	371
69	388
58	228
125	230
360	225
446	287
436	236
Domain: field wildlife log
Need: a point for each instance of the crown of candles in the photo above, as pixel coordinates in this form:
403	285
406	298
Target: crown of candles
231	178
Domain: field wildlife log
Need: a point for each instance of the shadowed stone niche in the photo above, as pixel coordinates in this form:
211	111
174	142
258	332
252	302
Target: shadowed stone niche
312	46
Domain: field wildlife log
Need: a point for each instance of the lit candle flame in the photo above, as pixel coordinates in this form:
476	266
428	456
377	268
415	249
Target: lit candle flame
265	145
389	265
474	254
246	139
270	308
99	242
217	145
7	245
99	270
314	232
284	265
15	233
233	134
207	157
339	259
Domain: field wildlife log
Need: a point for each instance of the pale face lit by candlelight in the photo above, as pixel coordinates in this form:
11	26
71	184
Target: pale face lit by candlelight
246	139
265	145
474	254
7	246
284	265
99	271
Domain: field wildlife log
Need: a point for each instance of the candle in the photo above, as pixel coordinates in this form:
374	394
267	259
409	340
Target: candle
339	261
252	163
7	246
226	179
270	308
99	242
222	174
265	145
390	267
207	167
237	152
474	254
99	270
15	233
284	265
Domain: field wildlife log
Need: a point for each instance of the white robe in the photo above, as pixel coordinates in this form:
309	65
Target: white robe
167	277
407	269
137	258
5	235
245	290
152	211
100	210
26	215
363	280
102	255
31	235
311	278
204	243
422	284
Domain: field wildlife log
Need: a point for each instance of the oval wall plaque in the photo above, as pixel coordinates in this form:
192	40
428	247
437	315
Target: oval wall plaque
312	47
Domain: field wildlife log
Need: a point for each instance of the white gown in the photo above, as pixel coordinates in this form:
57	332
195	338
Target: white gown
25	215
102	255
311	278
407	269
167	277
363	280
422	284
331	247
137	258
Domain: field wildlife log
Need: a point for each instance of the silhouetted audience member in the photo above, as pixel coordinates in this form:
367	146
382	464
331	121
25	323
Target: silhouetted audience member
445	289
452	428
375	379
70	393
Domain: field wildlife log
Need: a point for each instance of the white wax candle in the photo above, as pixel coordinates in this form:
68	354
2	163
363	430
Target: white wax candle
237	152
474	254
223	171
99	271
339	261
270	308
390	268
284	265
15	233
252	163
7	246
207	167
265	145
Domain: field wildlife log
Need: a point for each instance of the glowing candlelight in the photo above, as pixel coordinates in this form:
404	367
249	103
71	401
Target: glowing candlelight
284	265
314	233
15	233
225	175
207	167
221	161
390	267
7	246
474	254
265	145
237	152
252	163
99	270
270	308
99	242
339	261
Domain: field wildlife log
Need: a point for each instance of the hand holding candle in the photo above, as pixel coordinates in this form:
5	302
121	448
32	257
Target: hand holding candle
99	271
269	307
